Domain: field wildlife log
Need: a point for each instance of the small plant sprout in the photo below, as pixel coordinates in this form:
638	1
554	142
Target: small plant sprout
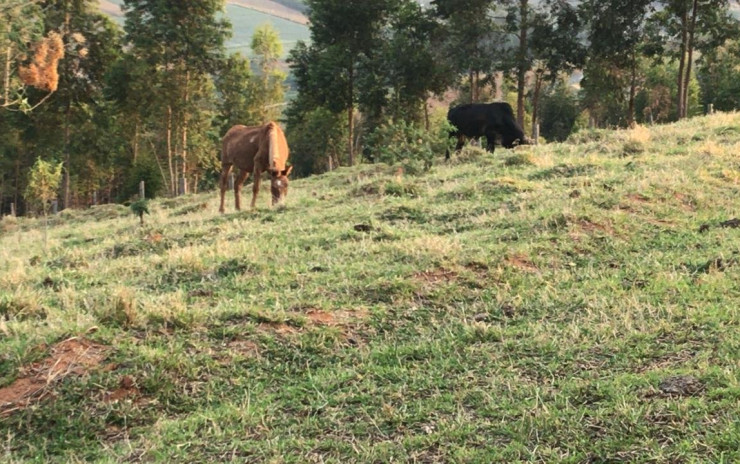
139	208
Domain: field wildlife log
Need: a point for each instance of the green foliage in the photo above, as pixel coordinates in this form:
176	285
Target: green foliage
145	169
237	90
139	208
43	183
719	73
413	147
560	110
317	142
269	94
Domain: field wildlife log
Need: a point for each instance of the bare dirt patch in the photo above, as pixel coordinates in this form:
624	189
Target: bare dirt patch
639	198
592	227
336	318
522	262
126	389
279	328
436	276
74	356
687	204
245	347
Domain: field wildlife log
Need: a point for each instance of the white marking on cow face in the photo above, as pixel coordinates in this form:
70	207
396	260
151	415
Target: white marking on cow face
254	137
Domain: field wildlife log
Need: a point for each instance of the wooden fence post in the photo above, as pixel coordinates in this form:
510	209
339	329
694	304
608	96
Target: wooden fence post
536	134
12	209
231	180
142	190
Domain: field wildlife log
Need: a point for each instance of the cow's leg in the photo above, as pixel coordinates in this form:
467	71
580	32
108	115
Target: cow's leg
460	142
491	141
243	174
224	183
256	185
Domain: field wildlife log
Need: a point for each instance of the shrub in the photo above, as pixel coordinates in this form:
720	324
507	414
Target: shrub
398	142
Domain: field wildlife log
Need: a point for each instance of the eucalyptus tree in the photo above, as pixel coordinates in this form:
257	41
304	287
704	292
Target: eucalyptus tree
683	26
344	33
616	33
556	47
474	42
182	43
268	49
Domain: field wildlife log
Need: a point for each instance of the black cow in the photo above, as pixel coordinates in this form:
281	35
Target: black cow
485	119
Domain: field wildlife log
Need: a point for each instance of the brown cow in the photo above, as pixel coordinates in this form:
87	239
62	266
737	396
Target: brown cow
255	149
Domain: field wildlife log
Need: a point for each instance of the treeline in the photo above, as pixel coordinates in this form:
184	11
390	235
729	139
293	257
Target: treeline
151	100
148	101
371	64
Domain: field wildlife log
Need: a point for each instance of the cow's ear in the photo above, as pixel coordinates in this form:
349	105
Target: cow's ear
287	172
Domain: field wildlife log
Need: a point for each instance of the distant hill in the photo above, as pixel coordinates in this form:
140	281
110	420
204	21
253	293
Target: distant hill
287	16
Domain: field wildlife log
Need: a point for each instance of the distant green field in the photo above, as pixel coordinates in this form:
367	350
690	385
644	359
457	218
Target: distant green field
245	21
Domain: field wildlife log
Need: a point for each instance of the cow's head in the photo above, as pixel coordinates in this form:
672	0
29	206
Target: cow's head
279	185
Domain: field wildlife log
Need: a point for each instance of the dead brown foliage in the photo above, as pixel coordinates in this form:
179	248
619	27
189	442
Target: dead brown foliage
42	72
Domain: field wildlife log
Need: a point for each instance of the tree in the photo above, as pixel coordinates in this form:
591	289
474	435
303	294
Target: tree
718	76
519	21
683	26
43	186
270	94
616	35
474	42
237	90
555	46
343	34
560	110
181	43
21	35
411	62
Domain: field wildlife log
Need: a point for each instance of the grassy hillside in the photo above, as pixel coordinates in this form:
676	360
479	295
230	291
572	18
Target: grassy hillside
562	303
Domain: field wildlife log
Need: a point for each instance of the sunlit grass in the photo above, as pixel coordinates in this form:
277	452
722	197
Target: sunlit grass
525	306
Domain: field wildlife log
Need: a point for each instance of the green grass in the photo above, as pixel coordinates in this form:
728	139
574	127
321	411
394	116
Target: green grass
522	306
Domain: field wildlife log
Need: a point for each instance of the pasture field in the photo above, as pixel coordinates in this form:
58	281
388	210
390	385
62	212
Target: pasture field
244	22
571	302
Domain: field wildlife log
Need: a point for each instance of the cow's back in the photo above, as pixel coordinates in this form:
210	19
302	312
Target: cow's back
240	145
470	119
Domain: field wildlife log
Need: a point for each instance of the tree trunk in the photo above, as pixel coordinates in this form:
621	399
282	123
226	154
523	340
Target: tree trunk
185	134
351	115
67	114
67	157
536	101
686	81
6	75
471	77
633	91
426	113
522	72
136	139
169	150
682	63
